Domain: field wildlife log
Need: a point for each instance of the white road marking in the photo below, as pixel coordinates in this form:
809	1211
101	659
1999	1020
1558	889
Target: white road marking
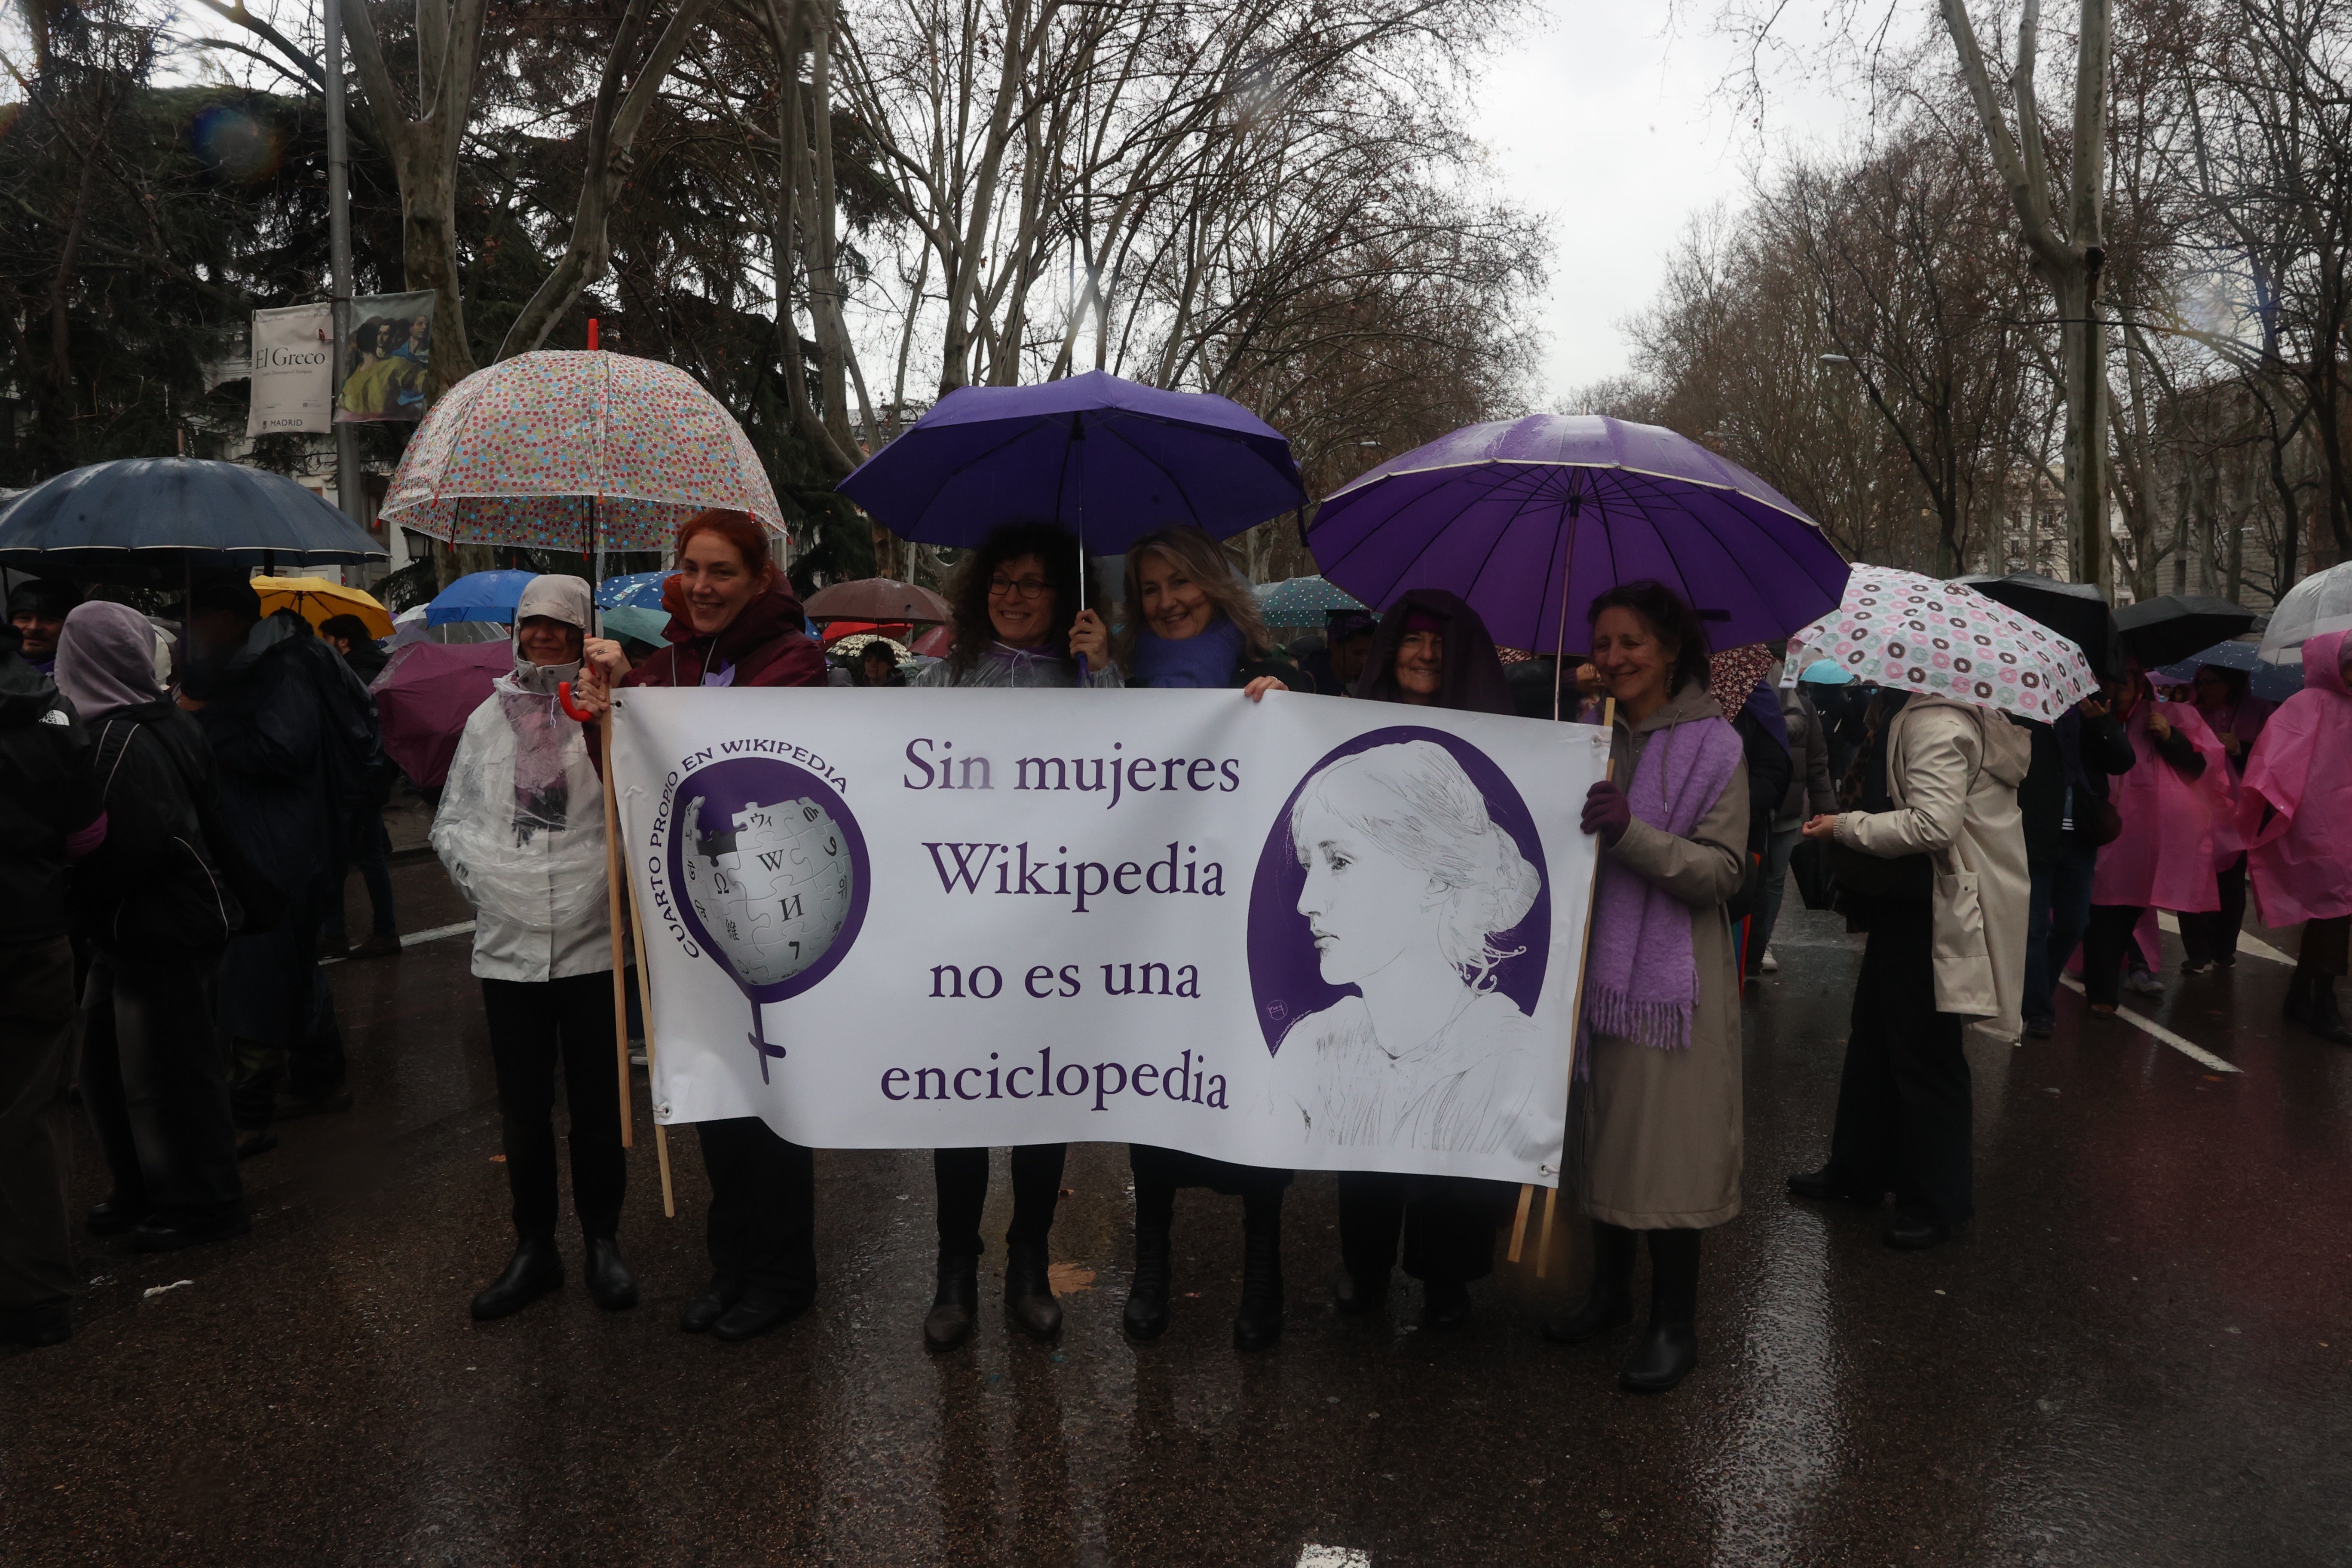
2150	1026
412	939
2249	944
1314	1556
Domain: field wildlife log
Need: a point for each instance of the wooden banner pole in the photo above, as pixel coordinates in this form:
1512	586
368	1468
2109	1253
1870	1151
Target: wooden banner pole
1520	1225
614	871
646	1009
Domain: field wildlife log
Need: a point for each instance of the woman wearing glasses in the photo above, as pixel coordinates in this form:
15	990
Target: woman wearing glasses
1017	624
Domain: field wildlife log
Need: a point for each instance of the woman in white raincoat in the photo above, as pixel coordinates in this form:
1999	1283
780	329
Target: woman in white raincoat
522	831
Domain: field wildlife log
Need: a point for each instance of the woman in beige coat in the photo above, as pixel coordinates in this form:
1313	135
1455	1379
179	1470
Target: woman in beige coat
1657	1112
1934	869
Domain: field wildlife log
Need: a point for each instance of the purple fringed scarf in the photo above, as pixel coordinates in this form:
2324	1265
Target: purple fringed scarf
1640	982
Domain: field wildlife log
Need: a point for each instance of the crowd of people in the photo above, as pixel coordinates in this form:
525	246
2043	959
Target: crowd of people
1976	852
180	817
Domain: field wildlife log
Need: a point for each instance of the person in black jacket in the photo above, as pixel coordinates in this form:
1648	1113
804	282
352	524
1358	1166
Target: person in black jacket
2063	802
156	912
255	690
49	815
365	842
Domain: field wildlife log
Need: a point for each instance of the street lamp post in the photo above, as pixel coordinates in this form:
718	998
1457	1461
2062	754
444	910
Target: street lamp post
351	484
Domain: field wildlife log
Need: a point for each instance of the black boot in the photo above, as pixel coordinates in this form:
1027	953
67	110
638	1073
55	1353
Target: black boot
2322	1016
1609	1301
534	1271
609	1279
763	1307
1146	1317
723	1291
1444	1304
1664	1357
2298	1009
1258	1324
50	1323
949	1322
1028	1294
1355	1295
1669	1347
113	1215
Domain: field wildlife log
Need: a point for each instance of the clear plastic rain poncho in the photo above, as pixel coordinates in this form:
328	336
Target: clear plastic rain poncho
521	824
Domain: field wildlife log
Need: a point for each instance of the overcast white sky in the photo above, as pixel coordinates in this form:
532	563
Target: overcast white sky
1615	132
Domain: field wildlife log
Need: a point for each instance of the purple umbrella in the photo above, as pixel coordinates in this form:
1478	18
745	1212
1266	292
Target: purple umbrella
1107	458
425	695
1528	520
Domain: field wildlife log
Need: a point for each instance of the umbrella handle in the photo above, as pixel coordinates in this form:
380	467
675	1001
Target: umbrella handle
564	696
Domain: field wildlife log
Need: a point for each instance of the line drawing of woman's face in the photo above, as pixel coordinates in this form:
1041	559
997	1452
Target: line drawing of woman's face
1364	906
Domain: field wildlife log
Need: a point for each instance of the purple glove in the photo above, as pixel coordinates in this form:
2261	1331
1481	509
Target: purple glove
1607	811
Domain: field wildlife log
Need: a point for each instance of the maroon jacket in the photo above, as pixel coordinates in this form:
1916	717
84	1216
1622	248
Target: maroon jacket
765	644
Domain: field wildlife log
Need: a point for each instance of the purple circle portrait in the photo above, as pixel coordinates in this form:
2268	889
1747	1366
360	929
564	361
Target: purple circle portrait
770	870
1403	863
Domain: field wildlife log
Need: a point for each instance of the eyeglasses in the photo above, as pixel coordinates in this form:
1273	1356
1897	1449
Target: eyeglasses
1027	587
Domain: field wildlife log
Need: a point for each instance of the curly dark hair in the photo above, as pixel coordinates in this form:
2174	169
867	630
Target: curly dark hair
1669	616
1056	546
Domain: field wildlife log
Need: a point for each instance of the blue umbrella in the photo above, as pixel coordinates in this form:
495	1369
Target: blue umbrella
635	621
633	589
2270	682
478	596
160	517
1108	459
1302	601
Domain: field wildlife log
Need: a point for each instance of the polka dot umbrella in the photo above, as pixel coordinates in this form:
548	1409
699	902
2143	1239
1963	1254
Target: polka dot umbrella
575	451
1900	629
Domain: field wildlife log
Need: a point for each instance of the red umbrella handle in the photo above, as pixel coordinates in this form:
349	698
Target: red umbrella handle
563	696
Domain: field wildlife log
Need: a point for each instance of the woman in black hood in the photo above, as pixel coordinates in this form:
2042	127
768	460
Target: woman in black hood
1431	651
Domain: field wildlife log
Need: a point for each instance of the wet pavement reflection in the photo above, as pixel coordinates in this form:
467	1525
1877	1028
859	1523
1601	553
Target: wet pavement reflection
2139	1353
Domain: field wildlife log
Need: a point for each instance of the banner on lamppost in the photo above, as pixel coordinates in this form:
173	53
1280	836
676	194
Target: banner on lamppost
387	359
291	365
1300	934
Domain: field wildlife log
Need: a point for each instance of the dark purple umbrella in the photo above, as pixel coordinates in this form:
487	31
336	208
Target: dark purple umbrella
1497	513
1107	459
425	695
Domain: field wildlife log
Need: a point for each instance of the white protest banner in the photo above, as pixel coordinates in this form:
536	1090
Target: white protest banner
1301	934
292	368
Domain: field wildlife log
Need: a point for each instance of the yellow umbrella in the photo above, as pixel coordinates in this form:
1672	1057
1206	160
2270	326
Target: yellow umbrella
319	601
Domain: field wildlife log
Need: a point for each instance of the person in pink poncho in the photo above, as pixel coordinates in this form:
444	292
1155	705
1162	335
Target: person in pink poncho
2295	809
2236	717
2165	857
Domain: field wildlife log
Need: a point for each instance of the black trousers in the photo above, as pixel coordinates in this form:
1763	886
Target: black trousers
1447	1224
535	1025
961	1179
37	1068
2327	945
365	846
762	1205
2214	934
154	1083
2107	947
1904	1112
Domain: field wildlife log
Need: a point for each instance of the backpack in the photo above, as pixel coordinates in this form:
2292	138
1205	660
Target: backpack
205	890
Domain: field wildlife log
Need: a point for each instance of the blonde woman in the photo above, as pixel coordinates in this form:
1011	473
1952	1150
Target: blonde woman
1191	621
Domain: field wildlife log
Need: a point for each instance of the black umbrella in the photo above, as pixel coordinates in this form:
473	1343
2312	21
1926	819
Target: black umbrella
2173	625
2077	610
156	519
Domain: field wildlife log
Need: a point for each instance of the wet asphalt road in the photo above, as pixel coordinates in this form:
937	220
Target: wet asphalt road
2139	1353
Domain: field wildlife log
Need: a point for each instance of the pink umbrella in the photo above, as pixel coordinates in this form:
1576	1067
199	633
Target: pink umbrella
575	451
425	695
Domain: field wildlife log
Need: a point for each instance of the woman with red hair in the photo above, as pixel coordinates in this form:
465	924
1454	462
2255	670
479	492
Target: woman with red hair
734	621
